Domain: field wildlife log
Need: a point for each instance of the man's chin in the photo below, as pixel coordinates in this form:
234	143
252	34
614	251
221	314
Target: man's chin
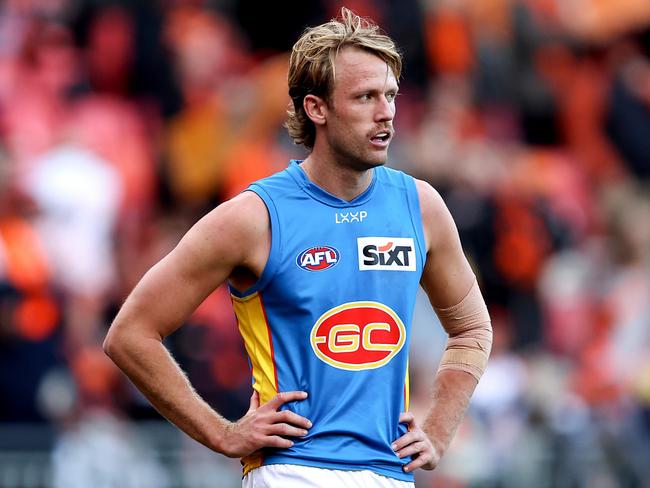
379	163
369	163
378	159
364	162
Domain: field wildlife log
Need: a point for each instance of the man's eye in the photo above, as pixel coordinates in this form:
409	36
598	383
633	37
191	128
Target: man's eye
390	96
366	96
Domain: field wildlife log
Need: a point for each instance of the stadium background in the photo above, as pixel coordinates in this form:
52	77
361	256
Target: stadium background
123	122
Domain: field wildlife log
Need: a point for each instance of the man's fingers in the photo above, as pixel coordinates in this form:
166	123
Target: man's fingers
413	465
286	430
255	401
293	418
277	441
286	396
422	461
416	444
268	426
406	418
411	449
406	439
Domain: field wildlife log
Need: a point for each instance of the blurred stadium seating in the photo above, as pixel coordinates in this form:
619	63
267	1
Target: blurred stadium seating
122	122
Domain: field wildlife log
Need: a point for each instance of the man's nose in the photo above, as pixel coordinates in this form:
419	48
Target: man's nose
385	110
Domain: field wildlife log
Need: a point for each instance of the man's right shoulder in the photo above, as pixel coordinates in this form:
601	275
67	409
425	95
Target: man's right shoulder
236	233
277	184
246	211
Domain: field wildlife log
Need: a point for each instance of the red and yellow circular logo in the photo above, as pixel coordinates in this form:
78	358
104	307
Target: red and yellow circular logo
358	335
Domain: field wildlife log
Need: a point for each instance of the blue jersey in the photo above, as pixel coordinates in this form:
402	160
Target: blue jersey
331	315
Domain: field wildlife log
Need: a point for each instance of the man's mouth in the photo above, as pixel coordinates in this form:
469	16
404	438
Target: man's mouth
381	138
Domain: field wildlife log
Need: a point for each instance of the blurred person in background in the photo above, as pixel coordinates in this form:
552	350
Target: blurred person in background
336	356
525	115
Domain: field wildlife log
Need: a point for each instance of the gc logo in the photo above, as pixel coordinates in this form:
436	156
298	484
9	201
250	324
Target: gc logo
358	335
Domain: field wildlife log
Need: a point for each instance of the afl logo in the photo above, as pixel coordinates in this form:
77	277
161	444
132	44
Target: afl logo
358	335
318	258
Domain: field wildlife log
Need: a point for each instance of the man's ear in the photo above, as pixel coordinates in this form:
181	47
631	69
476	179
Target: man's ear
315	108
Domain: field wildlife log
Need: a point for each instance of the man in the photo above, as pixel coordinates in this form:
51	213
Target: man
323	261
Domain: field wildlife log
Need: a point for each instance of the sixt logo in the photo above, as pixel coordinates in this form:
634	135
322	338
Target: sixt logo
349	217
358	335
386	253
318	258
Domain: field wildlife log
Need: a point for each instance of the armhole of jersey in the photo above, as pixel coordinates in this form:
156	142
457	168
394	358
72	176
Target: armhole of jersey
416	217
272	263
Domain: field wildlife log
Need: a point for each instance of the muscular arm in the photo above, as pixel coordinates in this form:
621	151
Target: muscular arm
166	296
449	283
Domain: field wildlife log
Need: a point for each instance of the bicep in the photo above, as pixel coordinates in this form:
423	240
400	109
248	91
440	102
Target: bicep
447	275
203	260
171	290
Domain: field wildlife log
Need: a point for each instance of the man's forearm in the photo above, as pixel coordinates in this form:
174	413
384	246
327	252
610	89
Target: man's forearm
452	391
150	366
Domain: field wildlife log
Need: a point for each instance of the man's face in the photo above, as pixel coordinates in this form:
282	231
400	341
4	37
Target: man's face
360	110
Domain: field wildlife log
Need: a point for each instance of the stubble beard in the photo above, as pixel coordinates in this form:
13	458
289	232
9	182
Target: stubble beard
346	155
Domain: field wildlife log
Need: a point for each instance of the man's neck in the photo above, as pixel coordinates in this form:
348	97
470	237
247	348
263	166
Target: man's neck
339	180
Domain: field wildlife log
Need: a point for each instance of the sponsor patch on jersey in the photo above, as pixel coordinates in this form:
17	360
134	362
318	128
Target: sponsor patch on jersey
358	335
386	253
318	258
349	217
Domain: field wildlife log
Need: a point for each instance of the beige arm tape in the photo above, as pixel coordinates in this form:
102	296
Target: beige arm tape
470	334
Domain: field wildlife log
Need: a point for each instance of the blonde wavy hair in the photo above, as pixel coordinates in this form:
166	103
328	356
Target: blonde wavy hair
311	66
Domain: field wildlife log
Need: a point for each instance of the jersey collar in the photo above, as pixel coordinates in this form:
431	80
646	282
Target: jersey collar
318	193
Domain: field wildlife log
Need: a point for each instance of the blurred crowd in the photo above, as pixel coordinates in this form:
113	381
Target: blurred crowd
122	122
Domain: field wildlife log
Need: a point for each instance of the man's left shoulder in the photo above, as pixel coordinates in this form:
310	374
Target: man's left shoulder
427	193
432	206
395	176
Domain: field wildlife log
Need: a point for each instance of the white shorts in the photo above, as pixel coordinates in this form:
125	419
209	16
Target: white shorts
293	476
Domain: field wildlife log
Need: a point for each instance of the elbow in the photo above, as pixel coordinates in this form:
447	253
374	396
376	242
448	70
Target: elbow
109	343
116	346
123	341
113	342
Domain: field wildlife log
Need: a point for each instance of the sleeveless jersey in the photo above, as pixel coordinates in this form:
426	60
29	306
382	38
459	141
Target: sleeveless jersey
331	315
